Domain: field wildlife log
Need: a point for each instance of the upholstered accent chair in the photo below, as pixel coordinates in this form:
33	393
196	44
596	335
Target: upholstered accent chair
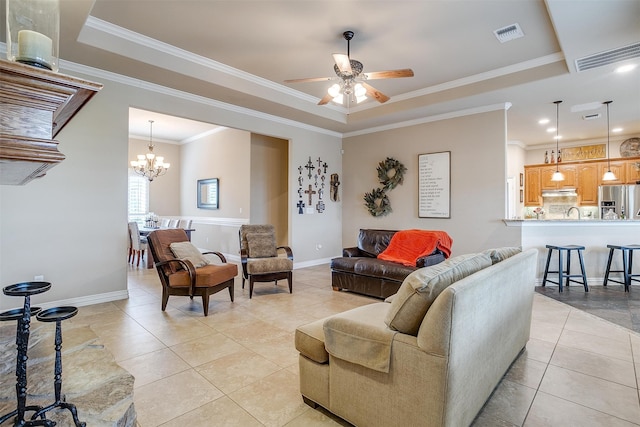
262	260
183	270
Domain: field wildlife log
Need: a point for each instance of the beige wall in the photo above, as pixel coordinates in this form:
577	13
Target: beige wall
164	190
478	175
269	184
71	225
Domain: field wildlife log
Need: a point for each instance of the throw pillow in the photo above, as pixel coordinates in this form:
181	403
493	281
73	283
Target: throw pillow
500	254
420	289
261	245
186	251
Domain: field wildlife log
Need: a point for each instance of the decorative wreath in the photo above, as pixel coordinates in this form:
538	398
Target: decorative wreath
377	202
384	168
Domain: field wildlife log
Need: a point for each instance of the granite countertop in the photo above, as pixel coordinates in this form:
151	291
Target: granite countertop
568	221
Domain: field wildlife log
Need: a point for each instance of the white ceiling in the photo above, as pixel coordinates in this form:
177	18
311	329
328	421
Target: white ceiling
240	52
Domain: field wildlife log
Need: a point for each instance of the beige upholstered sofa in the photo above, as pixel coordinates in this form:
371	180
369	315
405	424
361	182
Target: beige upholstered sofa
464	322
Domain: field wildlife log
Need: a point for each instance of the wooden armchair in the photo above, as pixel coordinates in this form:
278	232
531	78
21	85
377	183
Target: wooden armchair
259	255
181	276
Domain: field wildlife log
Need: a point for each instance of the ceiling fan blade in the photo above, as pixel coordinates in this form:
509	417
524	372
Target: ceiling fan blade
391	74
343	63
312	79
325	100
375	93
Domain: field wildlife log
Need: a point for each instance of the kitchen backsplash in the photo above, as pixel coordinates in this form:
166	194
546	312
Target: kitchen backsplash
557	208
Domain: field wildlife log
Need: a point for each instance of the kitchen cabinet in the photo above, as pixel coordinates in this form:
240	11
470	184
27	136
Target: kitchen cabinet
632	170
546	172
617	167
588	181
36	105
532	191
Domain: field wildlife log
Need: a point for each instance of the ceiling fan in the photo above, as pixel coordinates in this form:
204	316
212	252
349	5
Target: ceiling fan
352	85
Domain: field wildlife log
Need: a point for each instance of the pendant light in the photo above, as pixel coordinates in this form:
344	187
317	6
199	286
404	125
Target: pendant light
608	175
557	175
150	165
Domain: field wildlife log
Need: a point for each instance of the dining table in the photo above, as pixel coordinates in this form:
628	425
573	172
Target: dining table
144	231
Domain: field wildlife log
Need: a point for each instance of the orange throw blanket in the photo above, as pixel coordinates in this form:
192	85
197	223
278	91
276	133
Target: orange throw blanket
406	246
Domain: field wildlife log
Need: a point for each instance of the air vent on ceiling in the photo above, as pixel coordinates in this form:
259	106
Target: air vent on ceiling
508	33
591	116
608	57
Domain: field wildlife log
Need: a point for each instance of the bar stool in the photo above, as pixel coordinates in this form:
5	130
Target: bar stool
57	315
562	273
627	265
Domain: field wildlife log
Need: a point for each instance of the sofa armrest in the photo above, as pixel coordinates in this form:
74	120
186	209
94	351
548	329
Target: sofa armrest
351	252
360	336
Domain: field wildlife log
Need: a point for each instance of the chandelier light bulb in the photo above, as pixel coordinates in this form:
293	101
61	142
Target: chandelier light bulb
334	90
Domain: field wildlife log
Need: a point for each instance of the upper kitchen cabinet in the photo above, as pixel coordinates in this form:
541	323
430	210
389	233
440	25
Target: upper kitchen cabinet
36	104
569	172
617	167
632	171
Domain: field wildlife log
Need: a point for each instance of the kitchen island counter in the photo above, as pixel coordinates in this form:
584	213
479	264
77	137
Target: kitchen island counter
593	234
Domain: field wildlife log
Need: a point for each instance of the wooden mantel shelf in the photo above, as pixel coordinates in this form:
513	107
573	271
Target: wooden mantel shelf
35	105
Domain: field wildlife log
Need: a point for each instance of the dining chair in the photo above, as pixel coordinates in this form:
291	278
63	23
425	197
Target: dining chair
173	223
184	271
260	259
138	243
164	222
184	224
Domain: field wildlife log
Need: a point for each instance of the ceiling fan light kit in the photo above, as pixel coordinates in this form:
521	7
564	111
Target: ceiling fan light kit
352	87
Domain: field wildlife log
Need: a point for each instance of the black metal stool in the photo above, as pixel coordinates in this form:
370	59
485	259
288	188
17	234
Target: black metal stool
562	273
58	314
627	265
23	316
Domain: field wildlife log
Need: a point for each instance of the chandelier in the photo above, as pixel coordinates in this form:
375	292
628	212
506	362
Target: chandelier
149	165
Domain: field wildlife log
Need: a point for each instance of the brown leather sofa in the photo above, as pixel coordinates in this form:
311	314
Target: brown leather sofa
359	270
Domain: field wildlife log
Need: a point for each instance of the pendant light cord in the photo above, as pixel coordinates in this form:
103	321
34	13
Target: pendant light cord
557	135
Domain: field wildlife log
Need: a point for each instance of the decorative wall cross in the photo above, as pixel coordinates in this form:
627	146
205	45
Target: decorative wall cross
300	206
310	167
320	206
310	192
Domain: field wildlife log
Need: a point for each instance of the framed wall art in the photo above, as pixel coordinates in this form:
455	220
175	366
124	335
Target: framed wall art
434	185
208	192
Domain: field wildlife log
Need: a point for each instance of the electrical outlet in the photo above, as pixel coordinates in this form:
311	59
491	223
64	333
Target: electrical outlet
39	278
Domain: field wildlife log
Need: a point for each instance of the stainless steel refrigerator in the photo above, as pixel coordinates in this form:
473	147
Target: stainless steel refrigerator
623	200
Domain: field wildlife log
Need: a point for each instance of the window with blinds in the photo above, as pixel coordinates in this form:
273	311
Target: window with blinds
138	197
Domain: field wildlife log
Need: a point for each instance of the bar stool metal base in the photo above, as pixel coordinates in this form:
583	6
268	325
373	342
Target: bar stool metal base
627	265
565	274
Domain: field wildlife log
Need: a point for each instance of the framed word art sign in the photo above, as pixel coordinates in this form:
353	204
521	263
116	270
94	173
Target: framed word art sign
434	185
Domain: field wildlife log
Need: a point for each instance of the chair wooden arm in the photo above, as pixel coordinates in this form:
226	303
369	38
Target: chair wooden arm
287	249
218	254
185	264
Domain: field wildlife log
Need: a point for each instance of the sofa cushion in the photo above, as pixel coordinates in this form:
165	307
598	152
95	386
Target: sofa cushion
372	267
186	251
373	242
309	340
261	245
422	287
500	254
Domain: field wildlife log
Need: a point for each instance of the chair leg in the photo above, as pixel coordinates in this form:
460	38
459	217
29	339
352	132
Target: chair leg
546	267
165	298
250	287
205	302
560	271
290	280
606	273
231	290
584	274
243	281
625	270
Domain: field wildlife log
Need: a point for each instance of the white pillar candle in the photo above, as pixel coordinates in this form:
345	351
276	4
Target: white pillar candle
34	47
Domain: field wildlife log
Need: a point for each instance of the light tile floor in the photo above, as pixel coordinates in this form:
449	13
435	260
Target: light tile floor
238	366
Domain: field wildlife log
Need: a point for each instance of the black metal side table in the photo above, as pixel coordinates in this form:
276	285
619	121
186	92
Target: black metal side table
23	316
58	314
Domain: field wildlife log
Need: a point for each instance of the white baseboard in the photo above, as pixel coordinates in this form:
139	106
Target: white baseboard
88	300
